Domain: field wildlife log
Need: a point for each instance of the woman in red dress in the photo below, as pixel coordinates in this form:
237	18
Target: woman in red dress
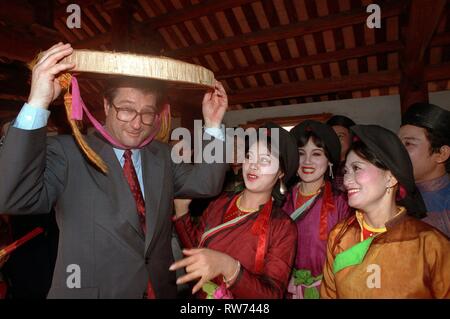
244	245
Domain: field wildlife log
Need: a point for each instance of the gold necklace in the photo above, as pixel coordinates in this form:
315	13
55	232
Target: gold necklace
245	210
309	194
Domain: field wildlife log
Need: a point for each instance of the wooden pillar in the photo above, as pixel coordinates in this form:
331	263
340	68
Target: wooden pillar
121	16
44	12
424	16
413	86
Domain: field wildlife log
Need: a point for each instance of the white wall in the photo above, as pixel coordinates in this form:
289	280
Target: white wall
382	110
441	99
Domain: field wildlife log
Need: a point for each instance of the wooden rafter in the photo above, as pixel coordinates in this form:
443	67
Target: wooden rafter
313	59
364	81
283	32
29	44
23	12
61	9
424	17
203	8
329	57
316	87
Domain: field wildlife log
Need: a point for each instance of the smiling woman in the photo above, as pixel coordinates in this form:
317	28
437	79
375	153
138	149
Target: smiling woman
381	252
314	206
244	245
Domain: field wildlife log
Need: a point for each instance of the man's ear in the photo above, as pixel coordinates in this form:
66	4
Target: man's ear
443	154
106	106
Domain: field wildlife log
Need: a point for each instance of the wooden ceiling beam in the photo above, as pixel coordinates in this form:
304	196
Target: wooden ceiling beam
44	12
437	72
330	85
312	59
148	27
61	9
19	12
316	87
94	42
441	39
195	11
283	32
121	16
25	49
345	54
424	17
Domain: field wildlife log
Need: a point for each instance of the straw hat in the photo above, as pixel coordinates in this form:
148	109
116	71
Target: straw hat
138	65
106	64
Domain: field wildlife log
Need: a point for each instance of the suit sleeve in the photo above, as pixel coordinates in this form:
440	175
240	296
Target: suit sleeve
33	170
203	179
272	283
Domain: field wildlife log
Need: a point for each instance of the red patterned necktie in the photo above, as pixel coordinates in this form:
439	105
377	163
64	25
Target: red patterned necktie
133	182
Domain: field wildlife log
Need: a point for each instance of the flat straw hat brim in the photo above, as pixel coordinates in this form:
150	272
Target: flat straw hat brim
105	64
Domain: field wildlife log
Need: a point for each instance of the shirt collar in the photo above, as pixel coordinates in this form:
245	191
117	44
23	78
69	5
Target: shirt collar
135	155
434	184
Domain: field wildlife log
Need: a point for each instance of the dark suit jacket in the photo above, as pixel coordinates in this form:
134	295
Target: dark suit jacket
96	213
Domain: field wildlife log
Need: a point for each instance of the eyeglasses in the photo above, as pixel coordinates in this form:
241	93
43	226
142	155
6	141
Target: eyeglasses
127	115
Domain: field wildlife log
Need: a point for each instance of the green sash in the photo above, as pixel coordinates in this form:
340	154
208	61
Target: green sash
352	256
299	211
209	288
305	278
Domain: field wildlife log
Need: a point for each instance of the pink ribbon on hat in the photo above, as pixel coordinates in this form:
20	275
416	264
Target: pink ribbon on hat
77	114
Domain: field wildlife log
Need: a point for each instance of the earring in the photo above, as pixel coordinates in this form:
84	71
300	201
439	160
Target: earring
330	166
388	190
283	188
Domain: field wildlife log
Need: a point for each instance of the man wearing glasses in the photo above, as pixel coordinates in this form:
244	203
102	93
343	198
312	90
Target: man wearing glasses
115	229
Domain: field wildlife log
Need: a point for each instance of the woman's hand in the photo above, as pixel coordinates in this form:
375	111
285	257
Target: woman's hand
205	264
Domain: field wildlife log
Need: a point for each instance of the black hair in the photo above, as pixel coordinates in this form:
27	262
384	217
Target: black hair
144	85
437	140
366	153
303	139
361	149
341	120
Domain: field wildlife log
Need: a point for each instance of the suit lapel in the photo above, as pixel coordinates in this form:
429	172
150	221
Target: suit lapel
115	186
153	174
